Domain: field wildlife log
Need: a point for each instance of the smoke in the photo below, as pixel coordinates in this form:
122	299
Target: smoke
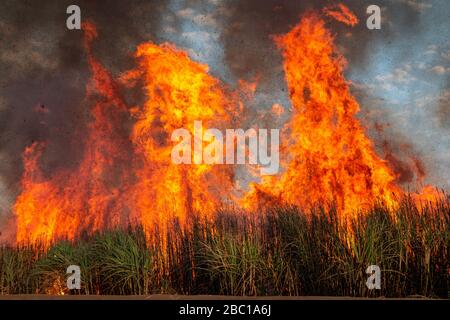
443	106
250	52
44	69
249	47
45	72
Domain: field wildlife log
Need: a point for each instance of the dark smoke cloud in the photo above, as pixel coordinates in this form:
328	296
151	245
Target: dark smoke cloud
44	74
250	50
44	69
404	158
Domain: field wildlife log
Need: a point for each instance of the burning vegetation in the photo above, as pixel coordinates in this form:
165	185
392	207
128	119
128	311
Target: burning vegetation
138	223
329	158
126	176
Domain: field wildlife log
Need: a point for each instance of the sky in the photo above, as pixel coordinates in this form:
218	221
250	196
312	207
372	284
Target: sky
399	74
408	80
402	85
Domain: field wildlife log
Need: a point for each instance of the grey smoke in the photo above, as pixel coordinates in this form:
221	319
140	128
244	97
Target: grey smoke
44	69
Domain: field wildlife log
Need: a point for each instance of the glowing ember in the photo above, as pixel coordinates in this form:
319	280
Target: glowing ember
57	288
341	13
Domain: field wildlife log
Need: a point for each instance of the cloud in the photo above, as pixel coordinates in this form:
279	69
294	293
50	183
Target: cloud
200	36
169	29
398	77
431	49
207	20
438	70
417	5
446	55
187	13
443	108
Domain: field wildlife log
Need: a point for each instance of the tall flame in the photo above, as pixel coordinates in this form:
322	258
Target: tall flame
119	182
179	92
330	159
71	201
128	176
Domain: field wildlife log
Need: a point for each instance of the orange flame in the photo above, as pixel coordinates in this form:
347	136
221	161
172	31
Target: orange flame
327	157
179	92
341	13
118	182
330	159
72	201
428	195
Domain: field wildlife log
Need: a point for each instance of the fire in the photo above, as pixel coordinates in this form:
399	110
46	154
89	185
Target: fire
329	157
126	176
71	201
57	288
118	182
341	13
179	92
428	195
